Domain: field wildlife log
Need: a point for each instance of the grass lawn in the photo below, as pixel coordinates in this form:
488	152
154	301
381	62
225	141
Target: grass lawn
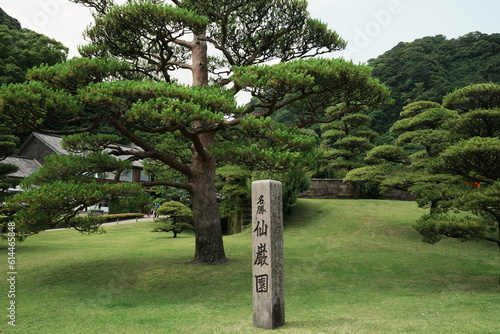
351	266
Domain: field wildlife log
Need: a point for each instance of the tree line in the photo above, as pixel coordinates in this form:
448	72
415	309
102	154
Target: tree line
431	67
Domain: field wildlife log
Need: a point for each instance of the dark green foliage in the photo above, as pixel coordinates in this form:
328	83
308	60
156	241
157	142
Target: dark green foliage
66	184
448	157
233	184
390	153
87	224
478	123
53	205
476	159
285	29
174	209
128	204
23	49
9	21
433	227
262	144
369	189
474	97
175	227
344	144
122	216
165	194
431	67
180	218
293	183
79	168
78	73
7	148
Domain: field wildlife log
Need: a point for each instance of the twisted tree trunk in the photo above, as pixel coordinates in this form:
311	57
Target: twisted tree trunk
209	246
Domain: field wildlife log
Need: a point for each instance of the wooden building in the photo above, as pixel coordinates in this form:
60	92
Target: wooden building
32	153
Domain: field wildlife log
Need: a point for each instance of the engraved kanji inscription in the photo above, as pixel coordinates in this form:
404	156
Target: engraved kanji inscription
261	283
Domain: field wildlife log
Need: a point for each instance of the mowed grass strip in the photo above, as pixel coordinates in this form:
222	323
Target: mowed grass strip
351	266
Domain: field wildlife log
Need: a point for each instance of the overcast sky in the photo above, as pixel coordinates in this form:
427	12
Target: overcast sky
371	27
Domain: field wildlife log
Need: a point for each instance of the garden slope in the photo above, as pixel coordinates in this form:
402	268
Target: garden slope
351	266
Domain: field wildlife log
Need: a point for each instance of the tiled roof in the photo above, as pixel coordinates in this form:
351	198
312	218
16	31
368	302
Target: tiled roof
52	141
26	166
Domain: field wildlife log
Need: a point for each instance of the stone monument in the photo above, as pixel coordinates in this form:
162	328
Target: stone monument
267	258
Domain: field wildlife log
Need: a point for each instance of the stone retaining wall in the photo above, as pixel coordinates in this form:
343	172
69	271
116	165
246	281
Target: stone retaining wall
338	189
331	189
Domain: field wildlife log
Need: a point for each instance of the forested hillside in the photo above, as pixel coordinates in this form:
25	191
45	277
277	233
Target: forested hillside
22	49
431	67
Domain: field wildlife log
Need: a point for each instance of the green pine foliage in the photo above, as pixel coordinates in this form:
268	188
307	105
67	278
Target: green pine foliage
448	156
429	68
179	218
53	196
344	144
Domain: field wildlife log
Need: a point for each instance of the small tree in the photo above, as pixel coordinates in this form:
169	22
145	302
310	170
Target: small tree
475	162
176	211
474	159
405	164
345	143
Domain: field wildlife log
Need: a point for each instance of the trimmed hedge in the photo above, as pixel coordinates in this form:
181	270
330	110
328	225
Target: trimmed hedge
122	216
